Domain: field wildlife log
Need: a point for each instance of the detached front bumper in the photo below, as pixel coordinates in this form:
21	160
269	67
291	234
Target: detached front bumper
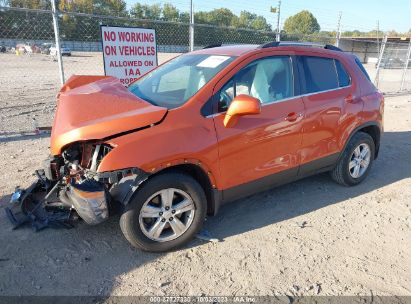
46	203
90	200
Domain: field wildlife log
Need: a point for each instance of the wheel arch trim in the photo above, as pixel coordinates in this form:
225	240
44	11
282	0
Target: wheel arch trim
192	167
369	124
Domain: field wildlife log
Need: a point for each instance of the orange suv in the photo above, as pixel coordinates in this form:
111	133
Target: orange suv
203	129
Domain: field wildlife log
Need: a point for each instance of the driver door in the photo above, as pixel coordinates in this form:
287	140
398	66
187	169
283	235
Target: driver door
260	151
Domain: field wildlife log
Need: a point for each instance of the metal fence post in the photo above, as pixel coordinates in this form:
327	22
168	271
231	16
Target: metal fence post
338	36
191	32
377	75
407	60
378	38
278	34
57	37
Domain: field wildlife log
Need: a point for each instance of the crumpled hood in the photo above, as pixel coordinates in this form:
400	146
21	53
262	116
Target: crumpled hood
95	107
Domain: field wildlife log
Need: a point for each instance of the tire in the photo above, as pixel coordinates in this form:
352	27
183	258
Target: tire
135	226
342	174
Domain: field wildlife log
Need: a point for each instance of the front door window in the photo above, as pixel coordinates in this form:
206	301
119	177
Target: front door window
269	80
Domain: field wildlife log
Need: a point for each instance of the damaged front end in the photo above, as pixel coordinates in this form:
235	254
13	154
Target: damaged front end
70	187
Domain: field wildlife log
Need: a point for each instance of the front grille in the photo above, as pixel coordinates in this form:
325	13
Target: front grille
104	150
100	151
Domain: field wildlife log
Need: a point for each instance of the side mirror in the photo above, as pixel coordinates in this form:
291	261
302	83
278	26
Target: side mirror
240	106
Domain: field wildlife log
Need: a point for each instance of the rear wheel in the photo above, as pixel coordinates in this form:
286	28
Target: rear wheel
165	213
356	160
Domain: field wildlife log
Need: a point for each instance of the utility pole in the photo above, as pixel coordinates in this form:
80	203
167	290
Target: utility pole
191	26
57	38
338	36
278	38
277	10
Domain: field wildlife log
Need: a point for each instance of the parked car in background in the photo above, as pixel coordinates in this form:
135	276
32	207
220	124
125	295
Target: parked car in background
392	63
206	128
65	51
24	48
45	48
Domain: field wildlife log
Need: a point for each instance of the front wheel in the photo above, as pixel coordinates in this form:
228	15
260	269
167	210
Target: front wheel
356	161
165	213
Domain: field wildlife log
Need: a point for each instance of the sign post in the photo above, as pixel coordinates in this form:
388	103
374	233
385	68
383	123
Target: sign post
128	52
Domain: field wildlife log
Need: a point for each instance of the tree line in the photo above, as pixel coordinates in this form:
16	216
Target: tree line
172	29
165	12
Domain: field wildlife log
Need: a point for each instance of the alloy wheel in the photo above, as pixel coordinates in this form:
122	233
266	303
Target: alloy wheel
360	160
166	215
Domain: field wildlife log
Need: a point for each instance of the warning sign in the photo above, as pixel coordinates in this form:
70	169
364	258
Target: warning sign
128	52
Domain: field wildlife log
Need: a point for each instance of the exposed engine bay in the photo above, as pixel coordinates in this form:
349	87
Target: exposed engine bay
69	187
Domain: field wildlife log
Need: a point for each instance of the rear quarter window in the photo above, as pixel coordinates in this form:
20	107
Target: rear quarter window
358	62
344	78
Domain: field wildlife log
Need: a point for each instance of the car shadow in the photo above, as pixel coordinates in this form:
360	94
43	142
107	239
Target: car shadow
88	260
301	197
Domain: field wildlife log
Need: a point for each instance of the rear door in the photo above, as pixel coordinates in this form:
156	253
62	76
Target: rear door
326	86
261	150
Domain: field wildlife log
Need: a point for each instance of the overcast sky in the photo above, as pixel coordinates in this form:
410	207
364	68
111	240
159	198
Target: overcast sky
356	14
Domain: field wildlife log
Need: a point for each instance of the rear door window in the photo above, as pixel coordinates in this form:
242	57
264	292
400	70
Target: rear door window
320	74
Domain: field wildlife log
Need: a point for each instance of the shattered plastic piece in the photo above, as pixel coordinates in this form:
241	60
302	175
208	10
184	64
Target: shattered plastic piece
206	236
27	209
302	225
15	197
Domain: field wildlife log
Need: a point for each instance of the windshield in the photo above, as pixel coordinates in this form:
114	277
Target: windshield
175	82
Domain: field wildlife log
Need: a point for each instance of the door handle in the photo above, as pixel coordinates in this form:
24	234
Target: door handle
292	117
350	99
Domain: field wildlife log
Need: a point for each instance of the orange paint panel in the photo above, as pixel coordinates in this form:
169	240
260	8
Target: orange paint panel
283	136
97	110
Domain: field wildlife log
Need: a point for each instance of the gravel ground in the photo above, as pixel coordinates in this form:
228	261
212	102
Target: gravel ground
309	237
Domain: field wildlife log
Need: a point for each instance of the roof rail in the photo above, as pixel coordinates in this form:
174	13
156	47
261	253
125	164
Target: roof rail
212	46
269	45
332	48
301	44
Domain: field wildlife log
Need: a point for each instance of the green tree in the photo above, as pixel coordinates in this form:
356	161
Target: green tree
260	23
184	17
145	11
97	7
221	17
82	6
201	17
170	12
111	7
302	23
393	33
33	4
246	18
251	21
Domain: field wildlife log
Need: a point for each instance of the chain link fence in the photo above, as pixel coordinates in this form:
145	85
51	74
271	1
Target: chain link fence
392	68
29	72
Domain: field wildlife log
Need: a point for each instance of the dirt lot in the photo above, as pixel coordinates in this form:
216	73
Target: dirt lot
353	240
